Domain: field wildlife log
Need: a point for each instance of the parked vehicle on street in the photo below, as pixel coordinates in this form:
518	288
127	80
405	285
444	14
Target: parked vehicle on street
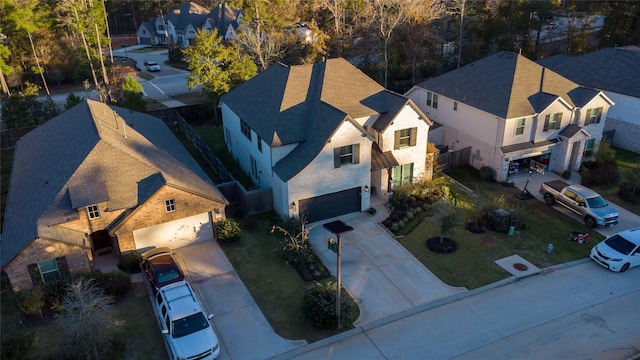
186	329
619	252
160	267
583	201
152	66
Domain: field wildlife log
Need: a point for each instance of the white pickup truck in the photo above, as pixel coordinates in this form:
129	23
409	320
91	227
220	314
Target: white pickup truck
583	201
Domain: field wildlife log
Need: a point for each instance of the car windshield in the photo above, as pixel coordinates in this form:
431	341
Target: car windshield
168	275
189	325
620	244
596	202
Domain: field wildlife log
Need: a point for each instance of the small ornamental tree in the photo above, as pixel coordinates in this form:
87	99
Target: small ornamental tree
447	216
296	237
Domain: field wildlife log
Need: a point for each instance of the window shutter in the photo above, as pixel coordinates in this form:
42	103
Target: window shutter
356	153
414	135
336	157
396	141
63	268
34	272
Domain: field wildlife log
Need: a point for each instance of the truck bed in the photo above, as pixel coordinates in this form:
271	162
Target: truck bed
556	185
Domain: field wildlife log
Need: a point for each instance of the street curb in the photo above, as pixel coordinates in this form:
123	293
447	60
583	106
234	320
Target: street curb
418	309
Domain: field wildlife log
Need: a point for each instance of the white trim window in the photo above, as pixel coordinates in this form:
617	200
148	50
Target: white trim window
170	205
245	129
520	126
593	116
552	122
588	147
93	212
345	155
49	271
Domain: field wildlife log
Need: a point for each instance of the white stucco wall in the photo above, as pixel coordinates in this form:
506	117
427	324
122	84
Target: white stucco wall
320	177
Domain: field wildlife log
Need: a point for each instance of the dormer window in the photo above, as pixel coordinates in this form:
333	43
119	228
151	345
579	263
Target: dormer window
170	205
593	116
93	212
552	122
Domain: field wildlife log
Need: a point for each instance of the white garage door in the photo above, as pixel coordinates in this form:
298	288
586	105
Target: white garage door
174	234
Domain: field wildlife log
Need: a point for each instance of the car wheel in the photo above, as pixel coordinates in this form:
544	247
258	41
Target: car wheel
590	222
549	200
624	267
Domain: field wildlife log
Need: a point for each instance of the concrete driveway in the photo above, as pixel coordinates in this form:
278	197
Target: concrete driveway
627	219
379	273
242	329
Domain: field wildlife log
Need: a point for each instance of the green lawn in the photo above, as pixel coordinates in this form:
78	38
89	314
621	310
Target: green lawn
276	287
472	265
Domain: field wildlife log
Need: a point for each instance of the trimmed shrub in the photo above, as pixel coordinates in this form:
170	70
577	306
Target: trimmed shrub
319	306
228	231
31	301
566	174
130	262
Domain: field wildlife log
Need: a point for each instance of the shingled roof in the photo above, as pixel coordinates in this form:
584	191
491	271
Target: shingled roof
305	105
611	69
506	84
88	154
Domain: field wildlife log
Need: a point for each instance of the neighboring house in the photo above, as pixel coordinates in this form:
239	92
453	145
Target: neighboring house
615	71
324	137
179	27
100	180
510	111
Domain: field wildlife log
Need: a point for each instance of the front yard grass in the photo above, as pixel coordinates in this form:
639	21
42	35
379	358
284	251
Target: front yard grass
276	287
472	265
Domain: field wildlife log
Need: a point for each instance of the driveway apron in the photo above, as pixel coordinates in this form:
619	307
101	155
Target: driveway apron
377	271
243	331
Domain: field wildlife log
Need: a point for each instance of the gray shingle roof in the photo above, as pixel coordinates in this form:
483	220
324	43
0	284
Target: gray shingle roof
223	15
504	84
305	104
124	155
611	69
188	13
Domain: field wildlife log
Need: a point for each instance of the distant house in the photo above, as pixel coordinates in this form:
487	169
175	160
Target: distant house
179	26
324	137
615	71
510	111
99	180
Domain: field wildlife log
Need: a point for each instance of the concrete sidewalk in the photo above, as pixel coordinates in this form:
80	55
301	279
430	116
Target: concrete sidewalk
573	312
379	273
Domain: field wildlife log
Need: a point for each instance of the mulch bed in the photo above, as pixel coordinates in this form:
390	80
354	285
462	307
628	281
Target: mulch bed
447	246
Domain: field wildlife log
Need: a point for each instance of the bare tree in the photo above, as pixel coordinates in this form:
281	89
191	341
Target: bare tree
337	10
387	15
86	321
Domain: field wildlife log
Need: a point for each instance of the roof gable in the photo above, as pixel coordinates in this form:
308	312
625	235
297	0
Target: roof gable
305	104
89	154
503	84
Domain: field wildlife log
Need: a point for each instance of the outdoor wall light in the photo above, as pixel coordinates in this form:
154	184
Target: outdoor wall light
366	188
293	205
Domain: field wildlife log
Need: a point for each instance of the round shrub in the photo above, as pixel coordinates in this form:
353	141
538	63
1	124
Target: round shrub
130	262
486	173
319	306
228	231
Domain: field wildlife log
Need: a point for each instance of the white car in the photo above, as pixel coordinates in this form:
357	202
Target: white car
619	252
152	66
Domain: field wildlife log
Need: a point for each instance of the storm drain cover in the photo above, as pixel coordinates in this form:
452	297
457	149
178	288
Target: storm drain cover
520	267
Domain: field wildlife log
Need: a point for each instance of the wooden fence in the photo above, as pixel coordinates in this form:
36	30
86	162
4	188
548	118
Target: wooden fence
453	159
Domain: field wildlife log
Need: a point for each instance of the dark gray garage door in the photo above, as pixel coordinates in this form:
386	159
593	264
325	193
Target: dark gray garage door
331	205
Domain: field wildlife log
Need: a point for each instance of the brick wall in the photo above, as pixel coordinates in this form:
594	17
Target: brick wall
153	212
41	250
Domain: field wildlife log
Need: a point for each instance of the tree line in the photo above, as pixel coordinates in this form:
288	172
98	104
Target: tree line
44	43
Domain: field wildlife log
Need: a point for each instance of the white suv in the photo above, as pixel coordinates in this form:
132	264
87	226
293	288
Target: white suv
185	328
619	252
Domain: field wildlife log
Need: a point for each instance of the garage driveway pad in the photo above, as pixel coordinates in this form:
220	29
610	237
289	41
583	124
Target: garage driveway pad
243	330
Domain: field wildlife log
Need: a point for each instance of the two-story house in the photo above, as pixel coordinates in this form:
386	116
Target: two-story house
511	111
94	182
324	137
180	25
615	71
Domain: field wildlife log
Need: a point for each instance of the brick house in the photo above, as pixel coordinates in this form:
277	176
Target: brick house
100	180
324	137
